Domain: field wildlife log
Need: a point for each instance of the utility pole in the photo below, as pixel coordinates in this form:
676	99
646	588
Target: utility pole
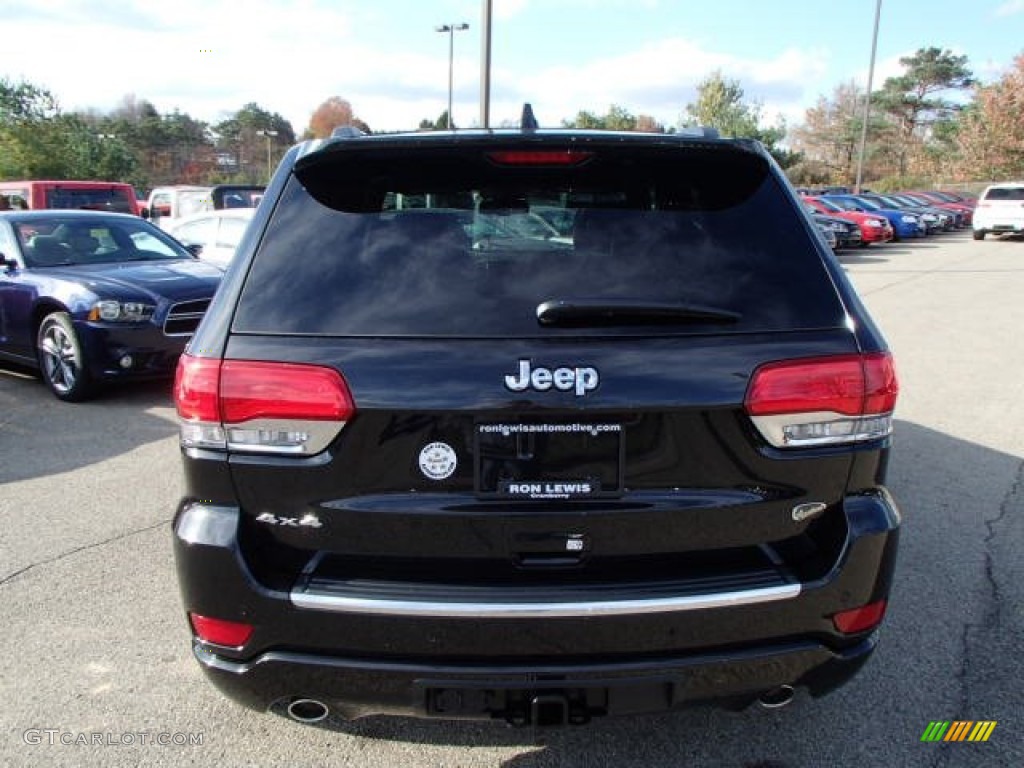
485	68
451	29
269	134
867	100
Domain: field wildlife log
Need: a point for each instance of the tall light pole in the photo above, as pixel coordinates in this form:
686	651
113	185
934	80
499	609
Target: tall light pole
485	68
451	29
867	100
269	134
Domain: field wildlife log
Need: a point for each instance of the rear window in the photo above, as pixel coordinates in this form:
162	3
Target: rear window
451	242
1005	193
113	200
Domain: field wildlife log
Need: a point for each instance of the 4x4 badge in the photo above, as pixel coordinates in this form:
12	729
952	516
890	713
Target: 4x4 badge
309	520
581	379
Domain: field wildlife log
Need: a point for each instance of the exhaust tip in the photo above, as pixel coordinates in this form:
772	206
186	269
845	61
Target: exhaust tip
308	711
777	698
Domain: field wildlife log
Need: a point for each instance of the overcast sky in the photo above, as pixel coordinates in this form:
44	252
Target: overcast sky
210	57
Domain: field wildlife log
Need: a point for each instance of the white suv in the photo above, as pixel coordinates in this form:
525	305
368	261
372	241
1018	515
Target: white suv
1000	209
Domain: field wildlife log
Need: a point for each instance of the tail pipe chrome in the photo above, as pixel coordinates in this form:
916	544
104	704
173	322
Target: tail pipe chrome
777	698
308	711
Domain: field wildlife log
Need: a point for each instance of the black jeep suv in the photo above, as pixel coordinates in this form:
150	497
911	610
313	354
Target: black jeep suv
535	426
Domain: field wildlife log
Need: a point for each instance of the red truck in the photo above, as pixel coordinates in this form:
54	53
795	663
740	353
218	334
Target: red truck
112	196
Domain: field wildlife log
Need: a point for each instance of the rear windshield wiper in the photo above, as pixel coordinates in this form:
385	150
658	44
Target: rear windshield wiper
594	312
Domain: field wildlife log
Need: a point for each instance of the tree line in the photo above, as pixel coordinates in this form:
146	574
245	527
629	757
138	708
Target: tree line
136	143
934	121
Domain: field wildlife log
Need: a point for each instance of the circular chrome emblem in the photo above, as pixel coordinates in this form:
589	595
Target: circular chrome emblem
438	461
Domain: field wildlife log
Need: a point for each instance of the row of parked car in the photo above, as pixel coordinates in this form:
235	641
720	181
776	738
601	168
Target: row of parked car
859	219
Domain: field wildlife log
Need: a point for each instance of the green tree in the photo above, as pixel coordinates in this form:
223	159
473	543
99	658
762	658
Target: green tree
38	141
720	104
248	137
585	120
169	149
441	124
24	101
913	102
615	119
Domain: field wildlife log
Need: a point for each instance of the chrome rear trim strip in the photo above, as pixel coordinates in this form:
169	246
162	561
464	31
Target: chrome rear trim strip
529	610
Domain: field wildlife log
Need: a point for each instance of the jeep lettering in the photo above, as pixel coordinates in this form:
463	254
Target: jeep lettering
582	380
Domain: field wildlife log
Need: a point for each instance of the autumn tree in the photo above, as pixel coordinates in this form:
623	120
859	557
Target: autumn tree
333	113
647	124
830	135
990	134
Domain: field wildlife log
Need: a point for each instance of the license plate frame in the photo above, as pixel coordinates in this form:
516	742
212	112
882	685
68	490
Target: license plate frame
549	461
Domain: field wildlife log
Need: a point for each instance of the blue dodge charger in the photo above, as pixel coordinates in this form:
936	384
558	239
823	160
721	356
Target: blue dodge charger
89	297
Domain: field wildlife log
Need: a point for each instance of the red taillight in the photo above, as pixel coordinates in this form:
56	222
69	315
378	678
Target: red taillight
562	157
860	619
823	400
219	631
195	388
257	390
881	387
852	385
258	406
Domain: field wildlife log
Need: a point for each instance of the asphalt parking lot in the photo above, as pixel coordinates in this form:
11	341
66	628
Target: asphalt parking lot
96	668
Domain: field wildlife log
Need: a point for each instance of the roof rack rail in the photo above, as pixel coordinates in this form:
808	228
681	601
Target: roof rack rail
700	131
347	132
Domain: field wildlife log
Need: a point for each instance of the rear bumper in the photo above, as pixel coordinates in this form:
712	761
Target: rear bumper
467	658
353	688
1007	225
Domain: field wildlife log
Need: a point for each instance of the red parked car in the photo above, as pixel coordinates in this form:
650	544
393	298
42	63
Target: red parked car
873	229
109	196
949	202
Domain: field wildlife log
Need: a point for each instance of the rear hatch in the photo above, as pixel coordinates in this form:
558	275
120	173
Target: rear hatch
1001	207
528	369
95	196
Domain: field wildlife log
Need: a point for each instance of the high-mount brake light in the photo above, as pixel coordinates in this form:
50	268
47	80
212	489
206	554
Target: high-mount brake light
823	401
256	406
540	157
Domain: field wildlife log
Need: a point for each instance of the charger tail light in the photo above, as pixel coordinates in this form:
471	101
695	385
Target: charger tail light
824	400
254	406
232	634
860	619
